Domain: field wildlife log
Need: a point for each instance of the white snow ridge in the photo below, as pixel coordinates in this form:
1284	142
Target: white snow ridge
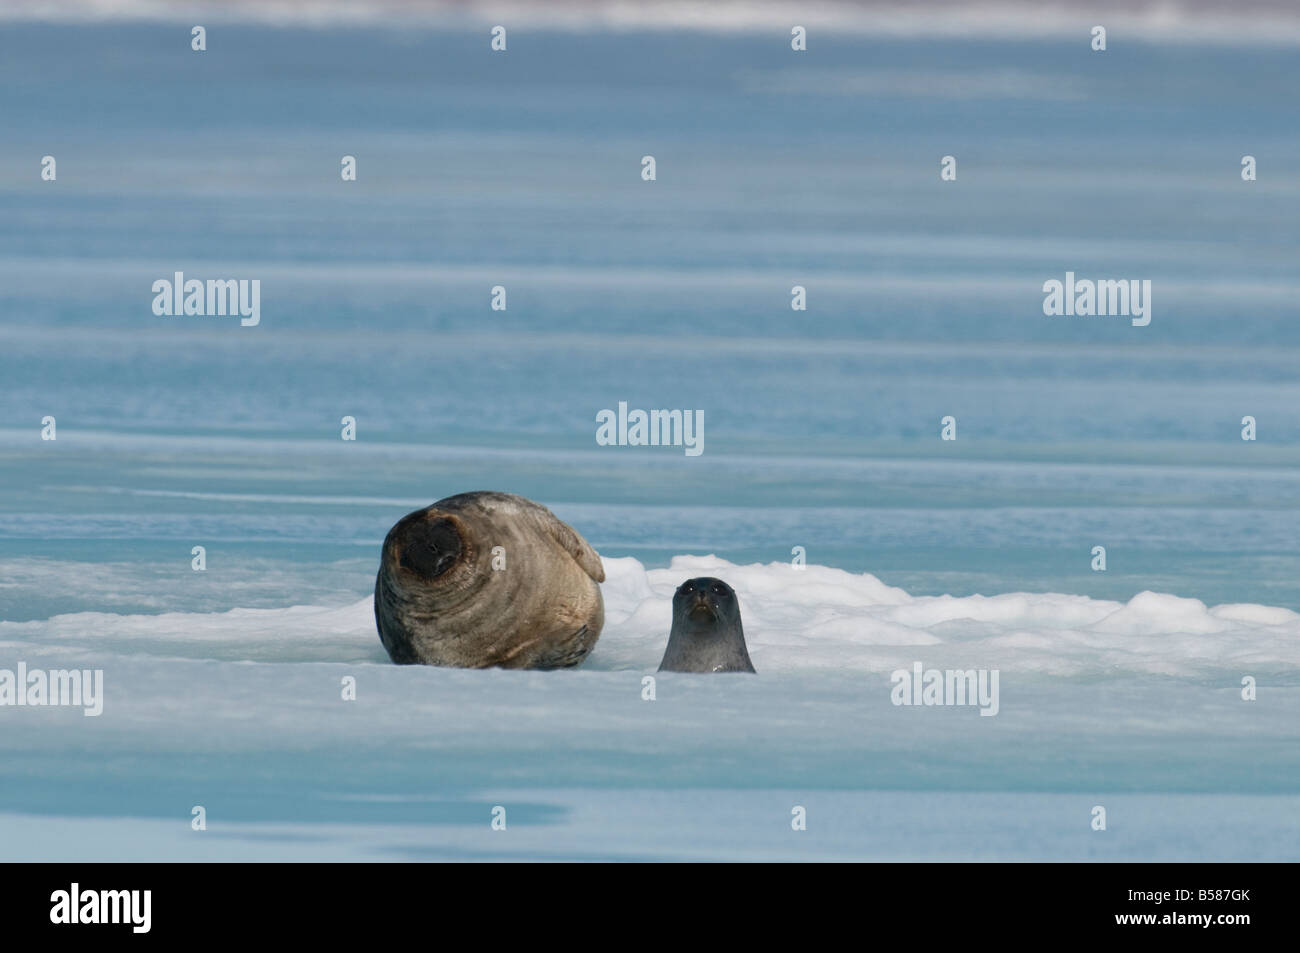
815	618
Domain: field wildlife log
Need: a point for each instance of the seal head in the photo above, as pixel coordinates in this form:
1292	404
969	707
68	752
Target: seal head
707	635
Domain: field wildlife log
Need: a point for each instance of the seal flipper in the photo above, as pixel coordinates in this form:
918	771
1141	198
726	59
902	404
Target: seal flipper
569	654
429	547
569	540
577	547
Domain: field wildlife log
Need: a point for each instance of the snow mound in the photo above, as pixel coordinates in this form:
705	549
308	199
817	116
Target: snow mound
814	617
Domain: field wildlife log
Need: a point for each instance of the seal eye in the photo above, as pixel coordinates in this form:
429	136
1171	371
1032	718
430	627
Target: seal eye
686	587
719	588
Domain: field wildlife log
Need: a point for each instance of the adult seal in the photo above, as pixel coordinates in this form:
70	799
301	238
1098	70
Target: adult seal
488	579
707	635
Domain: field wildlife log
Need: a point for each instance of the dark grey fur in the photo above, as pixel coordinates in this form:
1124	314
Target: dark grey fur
707	635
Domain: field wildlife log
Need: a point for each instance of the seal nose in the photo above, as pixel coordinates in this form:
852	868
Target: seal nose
429	547
701	604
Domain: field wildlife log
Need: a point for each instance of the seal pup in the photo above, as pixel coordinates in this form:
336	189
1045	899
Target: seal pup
707	635
488	579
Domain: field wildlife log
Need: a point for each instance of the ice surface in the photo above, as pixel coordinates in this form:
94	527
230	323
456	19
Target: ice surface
816	618
1135	706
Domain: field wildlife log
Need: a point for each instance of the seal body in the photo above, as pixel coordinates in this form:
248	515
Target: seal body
707	635
488	579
